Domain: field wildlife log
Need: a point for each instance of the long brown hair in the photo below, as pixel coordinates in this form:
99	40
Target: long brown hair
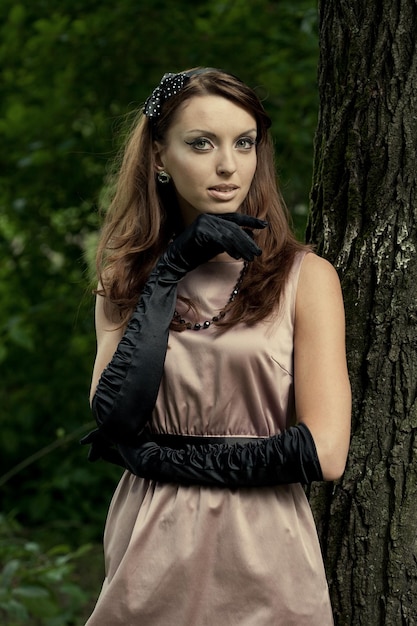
143	216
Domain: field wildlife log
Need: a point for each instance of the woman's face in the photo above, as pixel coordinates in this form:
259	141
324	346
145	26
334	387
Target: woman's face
210	154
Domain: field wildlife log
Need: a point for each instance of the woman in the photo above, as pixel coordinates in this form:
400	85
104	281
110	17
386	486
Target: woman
224	385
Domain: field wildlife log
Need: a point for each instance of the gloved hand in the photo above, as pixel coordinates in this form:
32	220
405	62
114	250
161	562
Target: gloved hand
289	457
102	448
206	237
128	387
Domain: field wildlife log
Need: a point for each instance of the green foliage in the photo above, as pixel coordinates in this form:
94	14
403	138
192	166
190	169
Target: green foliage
72	71
36	586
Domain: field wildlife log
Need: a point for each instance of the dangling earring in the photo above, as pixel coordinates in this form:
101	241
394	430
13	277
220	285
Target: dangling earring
163	177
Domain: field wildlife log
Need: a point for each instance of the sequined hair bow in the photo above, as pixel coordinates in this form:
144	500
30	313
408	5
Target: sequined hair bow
169	86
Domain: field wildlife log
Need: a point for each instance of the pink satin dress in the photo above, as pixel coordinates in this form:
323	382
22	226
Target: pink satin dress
200	556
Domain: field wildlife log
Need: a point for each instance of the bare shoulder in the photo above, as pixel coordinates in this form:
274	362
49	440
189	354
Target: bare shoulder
318	285
317	273
314	268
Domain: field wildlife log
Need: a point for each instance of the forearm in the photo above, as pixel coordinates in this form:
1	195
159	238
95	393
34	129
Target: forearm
289	457
127	389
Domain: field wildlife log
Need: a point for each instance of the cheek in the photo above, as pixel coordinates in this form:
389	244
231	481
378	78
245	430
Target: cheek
186	179
251	171
187	170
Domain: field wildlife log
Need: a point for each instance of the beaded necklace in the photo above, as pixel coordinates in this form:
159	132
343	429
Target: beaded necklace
216	318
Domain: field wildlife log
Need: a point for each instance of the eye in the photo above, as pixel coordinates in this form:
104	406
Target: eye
201	143
245	143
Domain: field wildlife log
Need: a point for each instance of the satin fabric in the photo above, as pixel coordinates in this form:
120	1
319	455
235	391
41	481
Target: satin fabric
202	556
288	457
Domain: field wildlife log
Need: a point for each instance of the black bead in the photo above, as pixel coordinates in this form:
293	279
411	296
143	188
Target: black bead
222	314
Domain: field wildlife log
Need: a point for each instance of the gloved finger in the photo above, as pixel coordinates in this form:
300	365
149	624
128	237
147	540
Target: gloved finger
92	437
246	221
94	454
243	252
240	244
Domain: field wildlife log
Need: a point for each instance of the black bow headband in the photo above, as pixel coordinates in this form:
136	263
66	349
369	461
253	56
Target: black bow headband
169	86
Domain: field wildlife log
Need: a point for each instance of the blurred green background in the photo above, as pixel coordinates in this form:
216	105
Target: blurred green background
71	72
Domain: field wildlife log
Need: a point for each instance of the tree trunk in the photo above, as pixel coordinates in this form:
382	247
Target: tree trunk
364	219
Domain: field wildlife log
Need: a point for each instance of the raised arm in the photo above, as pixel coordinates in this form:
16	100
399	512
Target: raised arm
124	390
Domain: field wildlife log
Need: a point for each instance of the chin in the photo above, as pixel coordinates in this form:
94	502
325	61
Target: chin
223	208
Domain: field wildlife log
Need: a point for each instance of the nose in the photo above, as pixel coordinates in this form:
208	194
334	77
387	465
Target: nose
226	163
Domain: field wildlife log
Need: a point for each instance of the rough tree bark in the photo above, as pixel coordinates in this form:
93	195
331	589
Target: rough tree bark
364	219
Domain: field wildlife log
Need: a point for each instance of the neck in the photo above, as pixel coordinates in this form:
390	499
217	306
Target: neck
223	257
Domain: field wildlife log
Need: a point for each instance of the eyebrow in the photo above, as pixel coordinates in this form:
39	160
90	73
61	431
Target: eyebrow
208	133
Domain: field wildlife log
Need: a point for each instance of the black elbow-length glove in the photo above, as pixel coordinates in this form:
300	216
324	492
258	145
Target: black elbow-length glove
128	387
289	457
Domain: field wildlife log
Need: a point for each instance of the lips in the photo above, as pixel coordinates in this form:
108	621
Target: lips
223	192
224	188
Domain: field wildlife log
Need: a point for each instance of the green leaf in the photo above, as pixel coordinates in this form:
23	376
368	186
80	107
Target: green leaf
9	571
31	591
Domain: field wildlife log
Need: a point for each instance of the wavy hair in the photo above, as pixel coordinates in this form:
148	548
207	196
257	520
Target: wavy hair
143	216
